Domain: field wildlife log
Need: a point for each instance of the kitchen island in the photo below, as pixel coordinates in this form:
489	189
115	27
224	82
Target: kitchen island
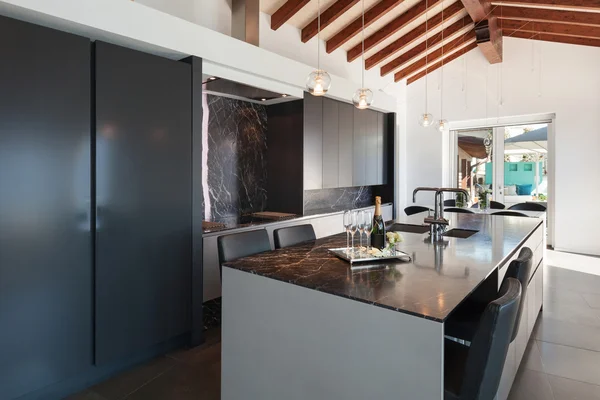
298	323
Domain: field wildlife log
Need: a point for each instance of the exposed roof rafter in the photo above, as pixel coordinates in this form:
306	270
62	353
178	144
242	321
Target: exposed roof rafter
392	27
440	63
413	35
354	28
327	18
285	12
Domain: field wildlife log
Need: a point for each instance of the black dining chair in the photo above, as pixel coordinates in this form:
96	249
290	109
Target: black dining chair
528	207
463	322
459	210
510	213
473	373
243	244
450	203
291	235
410	210
495	205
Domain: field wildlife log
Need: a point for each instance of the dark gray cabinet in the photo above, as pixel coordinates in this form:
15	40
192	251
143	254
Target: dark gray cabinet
331	145
45	207
345	145
144	196
313	142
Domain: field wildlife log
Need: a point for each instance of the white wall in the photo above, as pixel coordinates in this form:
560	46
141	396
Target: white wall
212	14
566	82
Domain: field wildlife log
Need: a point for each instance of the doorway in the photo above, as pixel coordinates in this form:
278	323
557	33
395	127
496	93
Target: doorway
513	162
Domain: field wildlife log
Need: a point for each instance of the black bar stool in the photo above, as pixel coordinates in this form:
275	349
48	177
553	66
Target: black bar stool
494	205
528	207
473	373
291	235
459	210
243	244
463	322
509	213
410	210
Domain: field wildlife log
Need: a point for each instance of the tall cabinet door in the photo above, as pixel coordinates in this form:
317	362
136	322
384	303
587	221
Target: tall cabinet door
143	195
330	143
346	144
371	163
359	177
45	236
313	142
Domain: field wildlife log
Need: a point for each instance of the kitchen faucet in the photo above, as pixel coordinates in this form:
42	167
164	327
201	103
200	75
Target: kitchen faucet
437	223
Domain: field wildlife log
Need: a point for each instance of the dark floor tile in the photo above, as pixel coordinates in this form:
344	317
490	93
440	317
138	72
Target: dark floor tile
530	385
122	385
86	395
567	389
184	382
570	362
568	333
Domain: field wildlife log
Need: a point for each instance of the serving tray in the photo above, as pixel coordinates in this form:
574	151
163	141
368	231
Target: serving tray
357	260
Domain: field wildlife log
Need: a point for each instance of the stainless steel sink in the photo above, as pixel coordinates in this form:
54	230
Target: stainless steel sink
409	228
460	233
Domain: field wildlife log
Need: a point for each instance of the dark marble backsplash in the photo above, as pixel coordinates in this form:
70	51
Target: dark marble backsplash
234	136
327	200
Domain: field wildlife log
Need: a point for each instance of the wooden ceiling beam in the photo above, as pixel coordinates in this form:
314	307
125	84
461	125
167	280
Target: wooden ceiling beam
413	53
545	15
413	35
581	5
554	38
552	28
489	37
354	28
392	27
285	12
440	63
327	18
436	55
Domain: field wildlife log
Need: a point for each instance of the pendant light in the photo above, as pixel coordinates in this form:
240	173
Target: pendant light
442	124
426	119
319	81
363	97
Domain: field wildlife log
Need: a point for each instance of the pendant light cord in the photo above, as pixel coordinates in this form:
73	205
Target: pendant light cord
363	44
426	51
442	71
319	35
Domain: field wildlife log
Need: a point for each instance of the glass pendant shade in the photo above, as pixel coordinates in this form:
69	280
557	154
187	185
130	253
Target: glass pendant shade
426	120
318	82
363	98
442	125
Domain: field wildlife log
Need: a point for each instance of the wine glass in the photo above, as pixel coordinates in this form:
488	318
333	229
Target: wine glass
353	227
368	227
347	224
360	224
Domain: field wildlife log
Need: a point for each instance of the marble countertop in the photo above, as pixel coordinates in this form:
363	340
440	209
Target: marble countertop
437	279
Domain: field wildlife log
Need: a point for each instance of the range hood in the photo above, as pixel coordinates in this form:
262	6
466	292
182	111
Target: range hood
239	91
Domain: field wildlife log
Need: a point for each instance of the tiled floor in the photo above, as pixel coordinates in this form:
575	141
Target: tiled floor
562	361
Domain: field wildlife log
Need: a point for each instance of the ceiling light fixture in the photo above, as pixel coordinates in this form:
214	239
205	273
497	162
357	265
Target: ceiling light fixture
363	97
318	81
284	95
426	119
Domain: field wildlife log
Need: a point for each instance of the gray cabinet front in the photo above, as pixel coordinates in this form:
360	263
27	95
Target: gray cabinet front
313	142
331	143
346	144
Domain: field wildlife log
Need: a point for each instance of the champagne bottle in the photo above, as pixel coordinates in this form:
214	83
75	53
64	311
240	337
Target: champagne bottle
378	235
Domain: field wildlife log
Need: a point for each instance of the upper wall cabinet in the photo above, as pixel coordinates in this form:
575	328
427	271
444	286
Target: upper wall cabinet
343	146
